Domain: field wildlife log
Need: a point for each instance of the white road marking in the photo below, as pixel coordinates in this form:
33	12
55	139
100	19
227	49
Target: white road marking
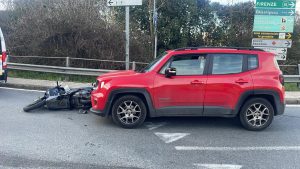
153	126
171	137
22	89
275	148
293	105
218	166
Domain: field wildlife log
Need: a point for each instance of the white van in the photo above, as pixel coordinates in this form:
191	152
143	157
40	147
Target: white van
3	59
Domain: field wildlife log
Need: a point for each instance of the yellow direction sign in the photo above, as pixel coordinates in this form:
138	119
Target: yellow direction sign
272	35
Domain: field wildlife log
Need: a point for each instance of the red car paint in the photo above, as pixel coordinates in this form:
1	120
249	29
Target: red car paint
206	90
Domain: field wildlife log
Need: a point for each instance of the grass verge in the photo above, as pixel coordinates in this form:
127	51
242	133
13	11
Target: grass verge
50	76
291	87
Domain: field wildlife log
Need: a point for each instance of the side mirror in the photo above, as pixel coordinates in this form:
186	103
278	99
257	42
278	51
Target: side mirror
169	72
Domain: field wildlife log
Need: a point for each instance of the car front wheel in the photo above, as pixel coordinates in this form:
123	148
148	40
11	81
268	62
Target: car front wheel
129	111
257	114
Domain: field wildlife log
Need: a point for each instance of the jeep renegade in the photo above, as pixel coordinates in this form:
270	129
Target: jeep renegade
218	82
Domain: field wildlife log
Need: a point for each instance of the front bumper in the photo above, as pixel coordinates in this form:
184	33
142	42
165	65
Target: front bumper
98	112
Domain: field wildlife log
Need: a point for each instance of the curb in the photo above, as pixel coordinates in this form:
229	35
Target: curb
293	101
26	86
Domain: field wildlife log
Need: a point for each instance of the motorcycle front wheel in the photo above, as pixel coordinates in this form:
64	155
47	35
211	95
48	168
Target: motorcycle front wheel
35	105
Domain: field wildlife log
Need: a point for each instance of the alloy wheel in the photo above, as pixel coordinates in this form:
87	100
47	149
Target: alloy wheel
257	115
129	112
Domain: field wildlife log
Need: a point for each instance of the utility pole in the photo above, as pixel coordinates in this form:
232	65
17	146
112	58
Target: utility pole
127	32
155	18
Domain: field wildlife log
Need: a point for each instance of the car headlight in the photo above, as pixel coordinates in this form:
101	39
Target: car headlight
97	85
102	85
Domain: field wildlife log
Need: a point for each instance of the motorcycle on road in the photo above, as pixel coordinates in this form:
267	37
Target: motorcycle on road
63	98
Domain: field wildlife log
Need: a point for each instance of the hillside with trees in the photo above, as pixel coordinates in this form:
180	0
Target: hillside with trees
90	29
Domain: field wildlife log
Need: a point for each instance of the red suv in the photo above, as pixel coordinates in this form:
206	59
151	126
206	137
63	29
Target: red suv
219	82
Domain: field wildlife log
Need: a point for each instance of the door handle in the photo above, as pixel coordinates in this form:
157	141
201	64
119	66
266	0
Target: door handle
241	81
195	82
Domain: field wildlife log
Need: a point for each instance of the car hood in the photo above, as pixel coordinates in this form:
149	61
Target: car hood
115	74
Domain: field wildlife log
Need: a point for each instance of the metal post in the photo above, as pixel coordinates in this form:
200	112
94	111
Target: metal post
133	65
155	27
67	61
127	37
299	74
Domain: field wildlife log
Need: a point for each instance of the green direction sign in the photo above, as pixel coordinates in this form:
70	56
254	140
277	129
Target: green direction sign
267	23
291	4
276	12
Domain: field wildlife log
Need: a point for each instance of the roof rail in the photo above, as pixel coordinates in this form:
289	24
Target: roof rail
215	47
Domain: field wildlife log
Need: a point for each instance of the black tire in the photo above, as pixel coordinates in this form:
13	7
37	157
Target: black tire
261	118
35	105
140	111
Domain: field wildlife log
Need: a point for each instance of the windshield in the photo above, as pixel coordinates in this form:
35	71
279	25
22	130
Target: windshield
154	63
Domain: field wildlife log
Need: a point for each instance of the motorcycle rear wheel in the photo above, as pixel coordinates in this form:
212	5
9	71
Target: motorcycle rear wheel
35	105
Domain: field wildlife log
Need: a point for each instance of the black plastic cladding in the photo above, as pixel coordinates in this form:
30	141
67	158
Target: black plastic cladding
207	47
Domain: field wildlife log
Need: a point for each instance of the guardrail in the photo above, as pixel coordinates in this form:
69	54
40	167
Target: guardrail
69	61
292	79
56	69
95	72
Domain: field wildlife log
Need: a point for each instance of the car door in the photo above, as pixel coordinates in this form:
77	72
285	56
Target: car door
226	82
182	94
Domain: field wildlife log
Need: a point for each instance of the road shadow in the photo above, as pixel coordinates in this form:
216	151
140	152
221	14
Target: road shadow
198	122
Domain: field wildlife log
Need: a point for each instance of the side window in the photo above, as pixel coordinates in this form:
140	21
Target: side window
187	65
227	63
252	62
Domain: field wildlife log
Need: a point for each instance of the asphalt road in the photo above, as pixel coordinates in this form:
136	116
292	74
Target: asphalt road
67	139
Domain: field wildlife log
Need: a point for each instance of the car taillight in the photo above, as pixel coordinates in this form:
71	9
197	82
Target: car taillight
281	79
4	58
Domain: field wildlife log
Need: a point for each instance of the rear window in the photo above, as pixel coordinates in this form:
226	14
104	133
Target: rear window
252	62
227	63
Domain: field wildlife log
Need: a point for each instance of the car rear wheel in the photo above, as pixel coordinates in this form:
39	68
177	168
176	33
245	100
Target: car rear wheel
257	114
129	111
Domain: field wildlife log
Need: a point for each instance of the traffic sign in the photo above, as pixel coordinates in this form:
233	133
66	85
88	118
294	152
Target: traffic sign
266	23
124	2
272	43
280	53
272	35
276	12
264	19
276	4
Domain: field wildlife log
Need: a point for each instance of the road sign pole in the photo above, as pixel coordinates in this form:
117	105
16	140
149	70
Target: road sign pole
155	28
127	37
298	84
127	4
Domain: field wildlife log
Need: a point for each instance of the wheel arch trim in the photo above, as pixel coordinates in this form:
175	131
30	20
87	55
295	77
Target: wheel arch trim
252	93
141	91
